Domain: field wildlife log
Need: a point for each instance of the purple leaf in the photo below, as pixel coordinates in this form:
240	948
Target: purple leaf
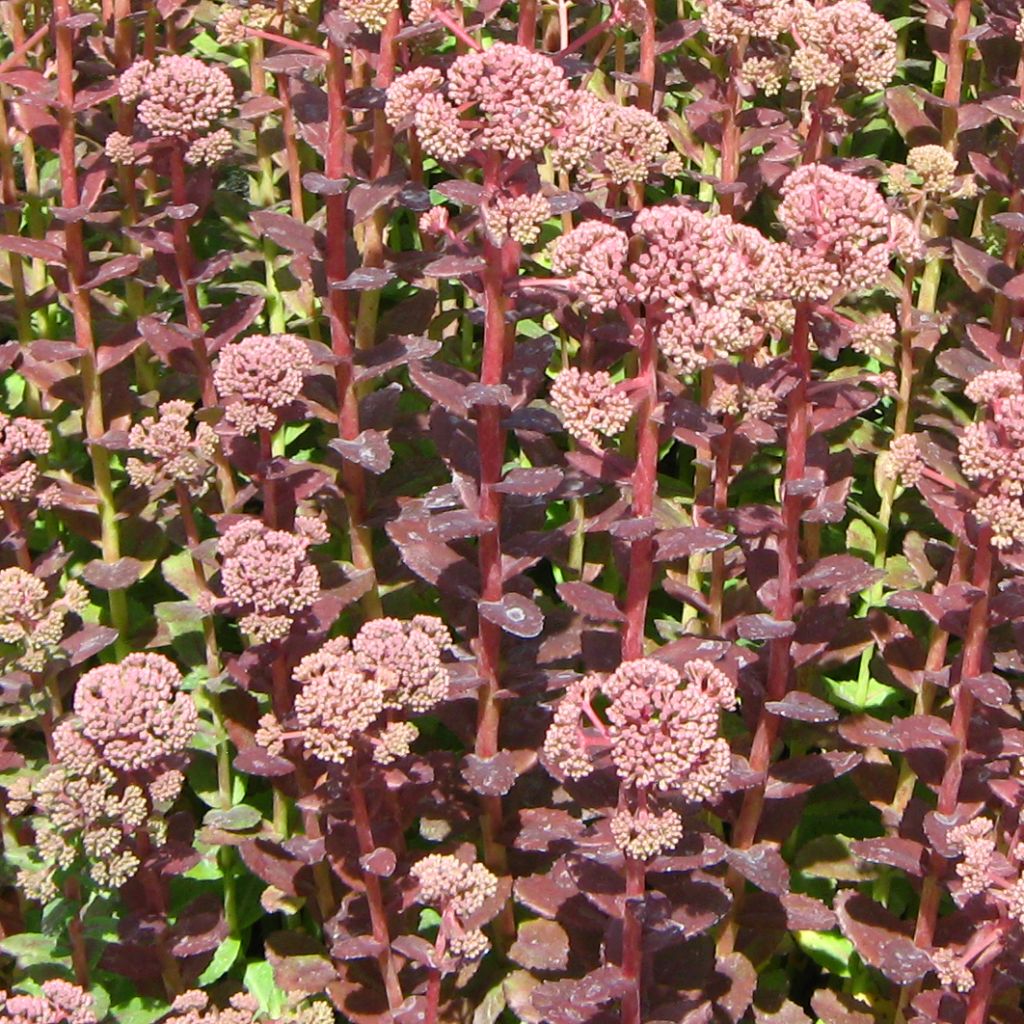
515	614
541	946
369	449
591	602
113	576
763	865
490	776
881	938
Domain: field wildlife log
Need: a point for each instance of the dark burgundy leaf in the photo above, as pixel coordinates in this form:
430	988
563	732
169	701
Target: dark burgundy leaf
591	602
369	449
881	938
490	776
803	707
113	576
763	865
515	614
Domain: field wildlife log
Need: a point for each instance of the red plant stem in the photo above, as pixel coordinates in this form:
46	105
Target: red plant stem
185	263
291	147
744	832
338	313
76	933
955	69
19	52
455	28
374	895
730	168
527	35
723	471
981	995
963	705
645	479
491	446
433	995
592	33
632	940
290	44
12	515
78	270
648	57
815	141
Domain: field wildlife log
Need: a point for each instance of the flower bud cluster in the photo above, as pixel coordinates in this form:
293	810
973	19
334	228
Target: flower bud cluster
517	217
259	377
175	453
60	1002
645	833
507	99
21	441
347	688
178	97
33	621
591	405
459	890
660	727
992	455
267	574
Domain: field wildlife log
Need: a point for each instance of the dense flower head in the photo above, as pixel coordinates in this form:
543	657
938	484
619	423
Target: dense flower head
60	1003
508	99
874	336
33	621
764	73
903	462
177	95
517	217
645	833
662	726
210	149
520	95
21	439
692	339
119	148
407	91
689	258
626	142
846	38
346	686
174	452
839	225
269	573
728	21
406	658
371	14
992	455
259	377
935	166
450	883
593	256
135	712
951	969
590	404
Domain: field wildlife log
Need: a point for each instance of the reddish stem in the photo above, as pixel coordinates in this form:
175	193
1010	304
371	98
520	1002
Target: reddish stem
632	940
645	479
374	895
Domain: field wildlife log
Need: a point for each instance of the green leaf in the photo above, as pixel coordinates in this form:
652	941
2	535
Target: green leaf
29	948
223	959
259	980
830	950
139	1011
849	693
236	819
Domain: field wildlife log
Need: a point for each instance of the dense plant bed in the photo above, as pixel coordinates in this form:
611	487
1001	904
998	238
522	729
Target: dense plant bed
511	512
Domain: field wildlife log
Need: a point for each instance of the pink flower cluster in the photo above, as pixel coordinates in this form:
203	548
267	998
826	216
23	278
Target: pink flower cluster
590	405
60	1003
843	236
646	833
21	439
846	39
259	377
517	217
729	21
179	97
593	257
660	727
460	890
268	573
175	453
346	687
507	99
133	714
371	14
31	620
992	455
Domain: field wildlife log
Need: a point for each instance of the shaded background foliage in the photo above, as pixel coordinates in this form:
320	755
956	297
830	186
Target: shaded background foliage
511	512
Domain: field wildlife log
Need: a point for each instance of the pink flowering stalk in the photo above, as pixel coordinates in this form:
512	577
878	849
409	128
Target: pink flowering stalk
352	710
459	890
659	728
